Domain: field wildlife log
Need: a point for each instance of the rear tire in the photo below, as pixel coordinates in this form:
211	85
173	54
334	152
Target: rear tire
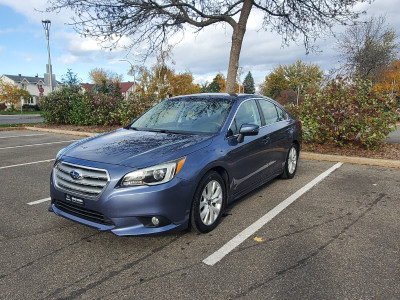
208	203
291	163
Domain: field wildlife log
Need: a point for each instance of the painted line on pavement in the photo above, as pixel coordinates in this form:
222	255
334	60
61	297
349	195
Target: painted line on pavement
29	163
249	231
15	136
32	145
39	201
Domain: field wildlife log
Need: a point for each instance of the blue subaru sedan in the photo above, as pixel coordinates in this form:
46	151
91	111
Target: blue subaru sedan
176	166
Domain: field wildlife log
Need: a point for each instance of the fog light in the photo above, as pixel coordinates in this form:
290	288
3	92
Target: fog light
155	221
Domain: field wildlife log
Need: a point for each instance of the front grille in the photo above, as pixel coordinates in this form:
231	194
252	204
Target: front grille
88	182
83	213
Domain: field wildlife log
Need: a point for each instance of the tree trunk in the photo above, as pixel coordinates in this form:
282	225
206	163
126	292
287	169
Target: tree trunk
237	39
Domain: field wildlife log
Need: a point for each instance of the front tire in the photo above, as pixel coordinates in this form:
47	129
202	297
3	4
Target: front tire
208	203
291	163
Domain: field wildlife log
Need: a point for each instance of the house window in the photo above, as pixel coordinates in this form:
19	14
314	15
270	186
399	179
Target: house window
29	101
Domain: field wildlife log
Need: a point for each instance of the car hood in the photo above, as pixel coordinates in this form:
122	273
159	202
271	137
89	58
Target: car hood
136	149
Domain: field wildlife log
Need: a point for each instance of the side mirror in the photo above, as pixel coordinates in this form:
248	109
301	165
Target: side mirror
247	130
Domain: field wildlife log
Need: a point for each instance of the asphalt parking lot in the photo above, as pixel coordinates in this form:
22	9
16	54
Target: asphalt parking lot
338	239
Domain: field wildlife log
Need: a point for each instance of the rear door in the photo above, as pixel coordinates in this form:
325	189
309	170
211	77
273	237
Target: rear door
277	131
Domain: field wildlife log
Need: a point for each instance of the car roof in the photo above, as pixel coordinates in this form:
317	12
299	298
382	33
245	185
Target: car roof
216	96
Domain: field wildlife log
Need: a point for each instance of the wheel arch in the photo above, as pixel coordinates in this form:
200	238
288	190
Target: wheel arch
225	176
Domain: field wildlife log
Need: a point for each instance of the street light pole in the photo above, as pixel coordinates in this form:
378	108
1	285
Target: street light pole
132	70
46	25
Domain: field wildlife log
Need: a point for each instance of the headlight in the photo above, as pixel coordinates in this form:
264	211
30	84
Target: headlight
154	175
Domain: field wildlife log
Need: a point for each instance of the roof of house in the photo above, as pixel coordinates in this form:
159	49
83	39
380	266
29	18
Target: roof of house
125	86
33	80
88	86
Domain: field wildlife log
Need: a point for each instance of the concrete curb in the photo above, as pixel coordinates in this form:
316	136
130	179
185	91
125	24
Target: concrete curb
352	160
69	132
11	128
303	155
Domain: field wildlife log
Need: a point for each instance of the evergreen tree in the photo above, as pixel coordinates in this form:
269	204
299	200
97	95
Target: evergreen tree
214	86
70	79
117	90
248	84
96	88
110	87
103	87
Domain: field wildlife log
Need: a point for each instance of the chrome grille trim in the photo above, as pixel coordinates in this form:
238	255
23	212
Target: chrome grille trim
91	185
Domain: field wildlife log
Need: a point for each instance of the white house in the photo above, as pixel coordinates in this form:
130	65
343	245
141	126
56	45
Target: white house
36	86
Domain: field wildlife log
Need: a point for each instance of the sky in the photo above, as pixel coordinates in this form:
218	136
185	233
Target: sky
23	46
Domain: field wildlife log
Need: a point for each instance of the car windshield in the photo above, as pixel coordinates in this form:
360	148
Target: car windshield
187	115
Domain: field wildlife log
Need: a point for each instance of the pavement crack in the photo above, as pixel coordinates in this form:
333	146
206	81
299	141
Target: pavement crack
110	275
28	264
145	280
304	260
292	233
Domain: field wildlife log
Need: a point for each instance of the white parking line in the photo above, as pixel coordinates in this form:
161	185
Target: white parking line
25	164
32	145
241	237
15	136
39	201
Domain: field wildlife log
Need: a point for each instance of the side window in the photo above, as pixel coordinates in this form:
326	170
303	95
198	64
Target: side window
282	115
269	111
246	114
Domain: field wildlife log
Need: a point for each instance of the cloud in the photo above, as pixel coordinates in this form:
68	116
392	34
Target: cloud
208	52
204	53
67	59
32	10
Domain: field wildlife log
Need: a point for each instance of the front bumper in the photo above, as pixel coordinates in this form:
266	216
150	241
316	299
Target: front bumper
129	210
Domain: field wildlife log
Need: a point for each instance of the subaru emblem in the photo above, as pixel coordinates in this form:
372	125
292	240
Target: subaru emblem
76	175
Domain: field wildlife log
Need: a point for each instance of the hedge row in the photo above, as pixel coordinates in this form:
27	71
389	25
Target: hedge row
347	112
70	105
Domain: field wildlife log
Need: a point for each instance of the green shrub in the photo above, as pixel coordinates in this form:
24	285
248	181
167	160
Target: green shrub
347	112
56	107
71	105
81	110
294	109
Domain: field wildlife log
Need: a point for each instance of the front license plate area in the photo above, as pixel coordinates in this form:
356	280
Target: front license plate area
73	199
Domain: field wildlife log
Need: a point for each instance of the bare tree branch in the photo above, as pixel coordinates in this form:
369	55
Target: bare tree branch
153	22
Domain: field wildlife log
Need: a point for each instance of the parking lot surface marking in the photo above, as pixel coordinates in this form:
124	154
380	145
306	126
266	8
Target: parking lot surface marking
17	136
39	201
246	233
25	164
32	145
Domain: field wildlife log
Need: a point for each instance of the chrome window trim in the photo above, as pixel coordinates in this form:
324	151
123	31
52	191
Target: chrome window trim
266	125
226	137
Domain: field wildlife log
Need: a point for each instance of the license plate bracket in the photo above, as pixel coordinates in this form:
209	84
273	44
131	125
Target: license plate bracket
75	200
